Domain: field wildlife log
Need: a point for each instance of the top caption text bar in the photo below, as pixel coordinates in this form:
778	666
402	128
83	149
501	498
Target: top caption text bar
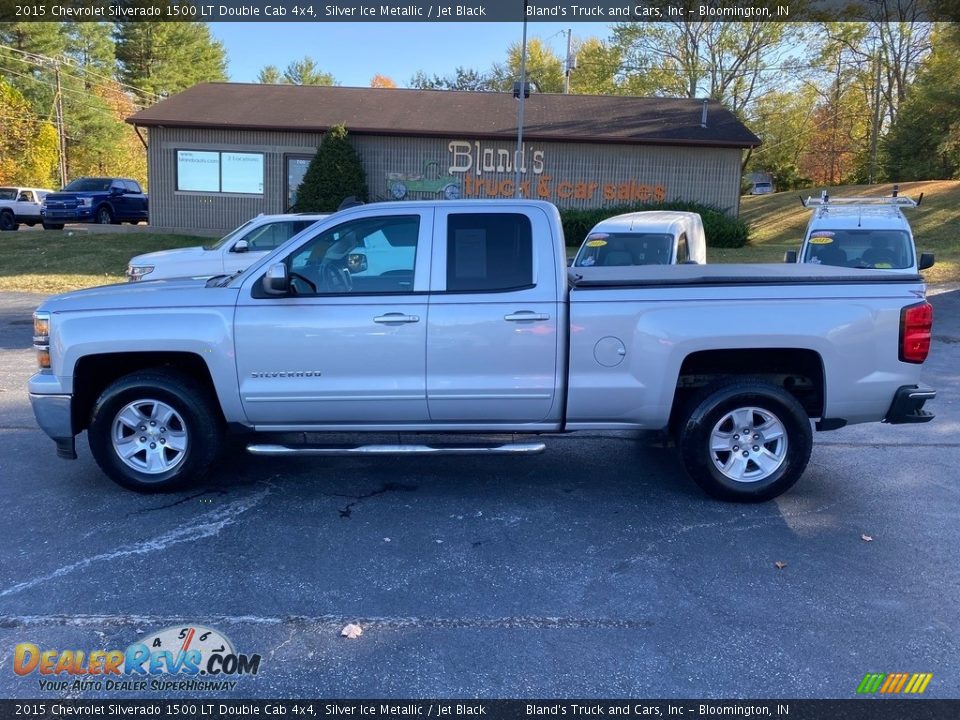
602	11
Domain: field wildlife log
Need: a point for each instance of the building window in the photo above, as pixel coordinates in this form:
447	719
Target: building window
489	252
220	172
296	169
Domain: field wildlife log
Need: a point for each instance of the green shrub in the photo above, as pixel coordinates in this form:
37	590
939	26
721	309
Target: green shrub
721	230
334	174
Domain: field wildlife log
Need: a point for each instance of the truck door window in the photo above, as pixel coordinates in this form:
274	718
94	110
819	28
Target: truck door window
272	235
26	196
489	252
132	186
370	255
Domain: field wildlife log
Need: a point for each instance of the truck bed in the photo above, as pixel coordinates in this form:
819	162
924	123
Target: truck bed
733	274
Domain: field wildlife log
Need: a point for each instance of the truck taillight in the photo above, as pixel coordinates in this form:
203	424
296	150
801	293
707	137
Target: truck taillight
916	323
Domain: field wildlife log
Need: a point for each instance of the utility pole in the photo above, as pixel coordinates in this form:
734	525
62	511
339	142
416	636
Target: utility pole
61	132
518	155
569	65
875	126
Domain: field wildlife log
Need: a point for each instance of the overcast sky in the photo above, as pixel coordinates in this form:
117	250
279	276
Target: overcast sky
355	52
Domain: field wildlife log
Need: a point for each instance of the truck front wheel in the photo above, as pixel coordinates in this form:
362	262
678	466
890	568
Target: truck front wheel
155	431
745	440
104	216
8	221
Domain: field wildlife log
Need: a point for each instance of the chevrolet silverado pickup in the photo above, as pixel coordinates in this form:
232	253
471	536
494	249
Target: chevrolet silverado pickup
469	321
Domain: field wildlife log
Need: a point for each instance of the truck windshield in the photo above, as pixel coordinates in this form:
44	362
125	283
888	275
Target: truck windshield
8	193
619	249
859	248
89	185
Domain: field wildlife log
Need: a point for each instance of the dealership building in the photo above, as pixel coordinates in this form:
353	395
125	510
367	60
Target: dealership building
221	153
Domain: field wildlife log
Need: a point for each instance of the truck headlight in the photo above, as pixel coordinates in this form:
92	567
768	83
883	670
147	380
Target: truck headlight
136	272
85	201
41	338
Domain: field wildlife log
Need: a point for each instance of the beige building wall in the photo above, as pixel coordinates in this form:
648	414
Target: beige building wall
569	174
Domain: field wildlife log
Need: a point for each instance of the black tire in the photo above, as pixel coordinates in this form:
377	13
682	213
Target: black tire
713	470
52	226
199	421
8	221
104	216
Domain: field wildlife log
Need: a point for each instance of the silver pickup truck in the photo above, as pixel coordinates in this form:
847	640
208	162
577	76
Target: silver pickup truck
460	317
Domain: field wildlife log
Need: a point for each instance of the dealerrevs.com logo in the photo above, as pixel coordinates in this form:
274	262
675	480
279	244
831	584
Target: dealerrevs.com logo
179	658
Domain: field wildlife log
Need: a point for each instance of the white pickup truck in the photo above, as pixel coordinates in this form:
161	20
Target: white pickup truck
21	205
473	325
233	252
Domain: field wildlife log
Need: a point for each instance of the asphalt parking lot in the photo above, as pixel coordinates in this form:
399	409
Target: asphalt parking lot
594	570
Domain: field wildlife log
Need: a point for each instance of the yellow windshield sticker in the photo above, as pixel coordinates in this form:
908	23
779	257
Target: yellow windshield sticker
820	240
883	266
596	243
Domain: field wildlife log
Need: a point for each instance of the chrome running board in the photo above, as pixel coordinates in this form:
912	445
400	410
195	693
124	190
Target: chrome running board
508	449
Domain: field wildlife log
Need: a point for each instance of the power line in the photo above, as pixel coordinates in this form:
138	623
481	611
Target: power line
44	61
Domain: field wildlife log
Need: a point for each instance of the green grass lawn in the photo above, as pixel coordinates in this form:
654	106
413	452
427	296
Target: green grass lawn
55	261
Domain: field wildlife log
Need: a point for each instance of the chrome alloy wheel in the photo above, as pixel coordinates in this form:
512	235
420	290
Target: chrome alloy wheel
149	436
749	444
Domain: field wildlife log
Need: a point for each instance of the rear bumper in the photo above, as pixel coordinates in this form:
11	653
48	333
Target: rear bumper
907	405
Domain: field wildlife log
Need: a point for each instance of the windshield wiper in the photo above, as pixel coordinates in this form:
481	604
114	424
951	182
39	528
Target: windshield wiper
221	280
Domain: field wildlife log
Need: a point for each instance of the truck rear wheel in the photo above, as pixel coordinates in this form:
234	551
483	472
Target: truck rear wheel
8	221
745	440
155	431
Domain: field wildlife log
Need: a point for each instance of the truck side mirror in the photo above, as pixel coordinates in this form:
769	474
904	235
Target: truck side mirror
357	262
117	191
926	261
276	281
790	256
241	246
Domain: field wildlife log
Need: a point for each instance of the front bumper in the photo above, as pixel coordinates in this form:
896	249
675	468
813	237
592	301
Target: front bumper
55	417
907	405
80	214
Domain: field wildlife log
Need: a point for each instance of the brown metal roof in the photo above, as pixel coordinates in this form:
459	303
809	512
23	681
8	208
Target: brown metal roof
447	113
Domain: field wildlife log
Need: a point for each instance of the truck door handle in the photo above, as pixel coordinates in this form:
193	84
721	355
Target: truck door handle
390	318
525	316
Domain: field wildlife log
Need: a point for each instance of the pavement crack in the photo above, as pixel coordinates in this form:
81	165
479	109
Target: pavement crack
205	526
347	510
293	631
335	623
181	501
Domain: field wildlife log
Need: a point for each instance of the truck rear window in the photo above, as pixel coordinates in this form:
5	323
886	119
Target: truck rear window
860	248
622	249
8	193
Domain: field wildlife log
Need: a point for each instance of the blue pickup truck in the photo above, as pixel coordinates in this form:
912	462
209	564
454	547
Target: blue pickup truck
104	201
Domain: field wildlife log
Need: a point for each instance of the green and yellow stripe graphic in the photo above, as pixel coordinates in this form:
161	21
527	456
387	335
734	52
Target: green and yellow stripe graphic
894	683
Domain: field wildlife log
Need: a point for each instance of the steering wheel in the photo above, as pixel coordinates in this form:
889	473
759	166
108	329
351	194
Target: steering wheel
334	278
